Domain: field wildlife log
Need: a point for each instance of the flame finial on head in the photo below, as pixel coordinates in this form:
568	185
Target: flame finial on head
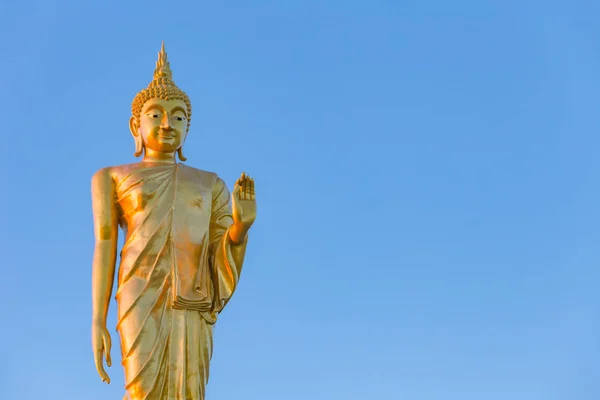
163	68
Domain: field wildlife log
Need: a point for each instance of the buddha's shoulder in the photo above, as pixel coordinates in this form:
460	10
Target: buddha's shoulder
195	170
117	171
201	173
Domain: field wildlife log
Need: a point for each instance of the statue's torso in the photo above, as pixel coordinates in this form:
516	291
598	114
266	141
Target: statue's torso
165	212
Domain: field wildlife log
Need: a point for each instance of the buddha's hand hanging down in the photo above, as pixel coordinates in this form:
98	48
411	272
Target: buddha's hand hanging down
101	346
243	208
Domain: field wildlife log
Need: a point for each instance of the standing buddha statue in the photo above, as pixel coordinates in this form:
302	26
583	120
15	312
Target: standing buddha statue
185	241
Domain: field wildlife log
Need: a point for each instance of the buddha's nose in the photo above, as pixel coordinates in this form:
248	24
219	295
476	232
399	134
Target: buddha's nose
165	123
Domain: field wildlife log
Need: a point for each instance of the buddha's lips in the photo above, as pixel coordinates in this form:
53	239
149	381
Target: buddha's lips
166	135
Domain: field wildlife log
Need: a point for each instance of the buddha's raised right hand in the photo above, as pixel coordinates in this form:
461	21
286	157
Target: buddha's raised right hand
101	346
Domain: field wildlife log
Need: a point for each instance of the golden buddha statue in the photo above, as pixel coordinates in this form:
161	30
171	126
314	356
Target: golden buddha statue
185	241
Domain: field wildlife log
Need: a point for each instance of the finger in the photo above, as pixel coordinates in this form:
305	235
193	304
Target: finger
239	187
251	182
107	345
99	366
248	187
244	187
239	181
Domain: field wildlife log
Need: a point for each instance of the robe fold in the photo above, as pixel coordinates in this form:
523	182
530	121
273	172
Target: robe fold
178	269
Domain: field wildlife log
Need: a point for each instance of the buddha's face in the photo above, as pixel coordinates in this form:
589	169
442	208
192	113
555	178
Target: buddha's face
162	125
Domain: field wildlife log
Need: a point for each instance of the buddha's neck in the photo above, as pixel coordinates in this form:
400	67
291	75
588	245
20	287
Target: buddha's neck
152	156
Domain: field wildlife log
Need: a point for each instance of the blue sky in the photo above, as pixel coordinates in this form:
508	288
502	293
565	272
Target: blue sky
427	177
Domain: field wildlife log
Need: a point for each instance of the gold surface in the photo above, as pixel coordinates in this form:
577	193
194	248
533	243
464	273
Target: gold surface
185	241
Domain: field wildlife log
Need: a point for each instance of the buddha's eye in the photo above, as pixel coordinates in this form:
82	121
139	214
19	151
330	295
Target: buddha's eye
178	118
154	115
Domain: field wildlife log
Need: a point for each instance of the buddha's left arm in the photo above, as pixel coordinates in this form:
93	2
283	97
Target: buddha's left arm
227	257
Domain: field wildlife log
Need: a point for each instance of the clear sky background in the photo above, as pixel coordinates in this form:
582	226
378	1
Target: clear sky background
428	189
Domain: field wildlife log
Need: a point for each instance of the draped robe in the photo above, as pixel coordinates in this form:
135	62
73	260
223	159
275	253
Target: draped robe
178	269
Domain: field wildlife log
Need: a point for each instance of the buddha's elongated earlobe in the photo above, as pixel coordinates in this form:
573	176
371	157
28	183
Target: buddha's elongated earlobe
139	143
180	154
180	149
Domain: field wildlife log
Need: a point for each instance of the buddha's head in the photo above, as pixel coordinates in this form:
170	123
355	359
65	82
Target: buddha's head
161	113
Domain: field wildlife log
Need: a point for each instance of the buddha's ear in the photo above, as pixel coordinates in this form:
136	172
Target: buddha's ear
134	127
180	154
180	149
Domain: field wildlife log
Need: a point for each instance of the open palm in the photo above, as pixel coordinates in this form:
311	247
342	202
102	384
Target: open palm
243	201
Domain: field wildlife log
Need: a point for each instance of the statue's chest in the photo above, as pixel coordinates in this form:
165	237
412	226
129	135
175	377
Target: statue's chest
180	197
192	197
